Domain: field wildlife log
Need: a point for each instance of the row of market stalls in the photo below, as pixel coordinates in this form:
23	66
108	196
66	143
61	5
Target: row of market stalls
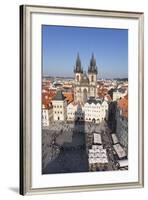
120	152
97	155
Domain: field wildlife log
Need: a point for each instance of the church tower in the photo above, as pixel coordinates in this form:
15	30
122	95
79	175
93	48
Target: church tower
59	107
92	75
78	70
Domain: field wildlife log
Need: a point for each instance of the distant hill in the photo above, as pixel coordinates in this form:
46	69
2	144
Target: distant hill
57	77
121	79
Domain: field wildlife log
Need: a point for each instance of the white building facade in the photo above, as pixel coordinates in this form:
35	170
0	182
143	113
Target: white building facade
59	107
92	111
71	110
96	110
75	111
47	115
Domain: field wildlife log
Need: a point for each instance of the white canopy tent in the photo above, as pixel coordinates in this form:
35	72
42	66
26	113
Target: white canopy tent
97	155
115	139
123	163
97	138
120	151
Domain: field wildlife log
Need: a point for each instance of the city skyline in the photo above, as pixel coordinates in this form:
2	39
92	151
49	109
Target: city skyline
60	46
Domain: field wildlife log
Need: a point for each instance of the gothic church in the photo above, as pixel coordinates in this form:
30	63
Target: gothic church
85	85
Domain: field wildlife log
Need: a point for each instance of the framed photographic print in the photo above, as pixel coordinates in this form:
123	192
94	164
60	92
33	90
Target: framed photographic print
81	99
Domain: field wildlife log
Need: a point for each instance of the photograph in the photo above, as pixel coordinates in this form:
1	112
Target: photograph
81	99
84	99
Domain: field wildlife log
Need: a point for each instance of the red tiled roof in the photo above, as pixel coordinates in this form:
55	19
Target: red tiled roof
123	105
102	91
69	97
47	98
46	104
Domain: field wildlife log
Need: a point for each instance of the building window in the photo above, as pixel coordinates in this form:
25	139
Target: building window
77	77
92	78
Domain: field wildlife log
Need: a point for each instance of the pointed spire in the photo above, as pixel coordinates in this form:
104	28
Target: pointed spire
92	68
78	67
78	61
92	61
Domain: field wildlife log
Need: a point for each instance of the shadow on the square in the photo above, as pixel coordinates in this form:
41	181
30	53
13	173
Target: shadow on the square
72	156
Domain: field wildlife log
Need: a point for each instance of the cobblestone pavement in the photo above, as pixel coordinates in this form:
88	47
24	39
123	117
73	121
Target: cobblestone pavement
65	146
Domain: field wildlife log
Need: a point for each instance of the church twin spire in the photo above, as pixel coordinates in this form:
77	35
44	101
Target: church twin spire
78	68
91	69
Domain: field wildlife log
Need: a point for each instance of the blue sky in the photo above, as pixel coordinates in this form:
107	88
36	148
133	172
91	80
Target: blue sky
60	45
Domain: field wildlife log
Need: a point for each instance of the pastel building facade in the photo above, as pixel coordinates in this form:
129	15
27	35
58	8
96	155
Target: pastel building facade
95	110
47	114
92	111
59	107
